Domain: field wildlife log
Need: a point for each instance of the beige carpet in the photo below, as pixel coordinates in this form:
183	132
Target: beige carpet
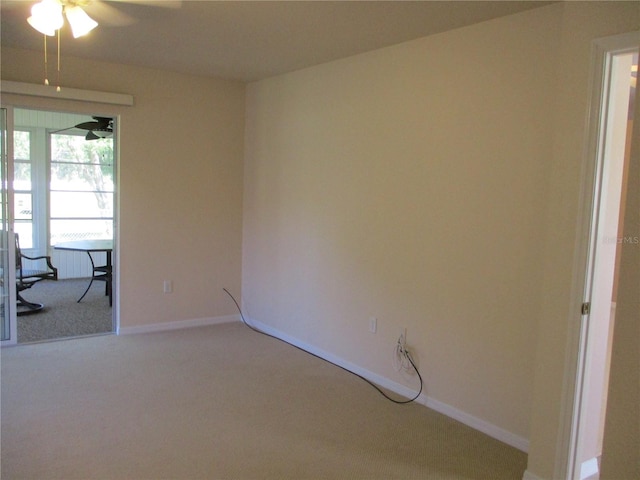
219	402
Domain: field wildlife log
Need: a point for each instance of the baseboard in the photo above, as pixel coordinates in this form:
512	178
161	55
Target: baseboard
161	327
483	426
487	428
377	379
531	476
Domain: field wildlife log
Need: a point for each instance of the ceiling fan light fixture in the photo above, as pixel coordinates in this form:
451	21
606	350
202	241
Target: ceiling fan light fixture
80	22
46	17
102	133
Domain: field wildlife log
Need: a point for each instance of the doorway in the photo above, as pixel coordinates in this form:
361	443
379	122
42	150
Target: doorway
617	76
64	190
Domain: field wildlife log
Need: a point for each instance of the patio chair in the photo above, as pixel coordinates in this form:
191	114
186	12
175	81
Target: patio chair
27	278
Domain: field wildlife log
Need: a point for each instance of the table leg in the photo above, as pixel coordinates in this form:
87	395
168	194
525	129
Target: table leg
109	279
93	267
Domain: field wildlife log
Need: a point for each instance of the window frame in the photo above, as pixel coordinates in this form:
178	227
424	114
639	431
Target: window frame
49	190
37	161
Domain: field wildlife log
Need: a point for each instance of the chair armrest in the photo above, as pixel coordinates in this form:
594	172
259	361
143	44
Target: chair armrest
45	257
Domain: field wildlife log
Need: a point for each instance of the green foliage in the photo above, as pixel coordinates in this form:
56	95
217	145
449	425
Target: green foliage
84	165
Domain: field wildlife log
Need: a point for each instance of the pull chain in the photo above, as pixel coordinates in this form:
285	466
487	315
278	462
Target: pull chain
46	65
58	74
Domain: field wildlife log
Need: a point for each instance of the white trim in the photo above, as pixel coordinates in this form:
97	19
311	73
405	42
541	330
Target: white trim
530	476
377	379
177	325
476	423
11	306
589	468
35	90
483	426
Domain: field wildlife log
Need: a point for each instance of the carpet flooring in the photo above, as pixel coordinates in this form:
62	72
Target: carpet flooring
62	315
219	402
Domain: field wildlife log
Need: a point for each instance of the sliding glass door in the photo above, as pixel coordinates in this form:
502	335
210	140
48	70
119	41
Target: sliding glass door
58	184
63	190
5	284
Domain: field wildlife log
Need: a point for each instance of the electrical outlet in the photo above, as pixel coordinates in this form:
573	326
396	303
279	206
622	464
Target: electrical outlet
167	286
373	324
401	357
402	338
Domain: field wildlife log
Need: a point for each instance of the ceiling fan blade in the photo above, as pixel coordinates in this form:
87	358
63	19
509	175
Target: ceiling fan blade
107	15
91	136
88	125
103	121
98	123
154	3
61	130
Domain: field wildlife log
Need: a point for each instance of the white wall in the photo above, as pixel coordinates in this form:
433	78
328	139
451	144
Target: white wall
409	184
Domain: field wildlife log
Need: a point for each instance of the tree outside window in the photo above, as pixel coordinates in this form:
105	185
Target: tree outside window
81	188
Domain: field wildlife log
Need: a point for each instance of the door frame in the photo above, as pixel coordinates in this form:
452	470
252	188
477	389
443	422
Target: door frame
577	365
11	254
89	108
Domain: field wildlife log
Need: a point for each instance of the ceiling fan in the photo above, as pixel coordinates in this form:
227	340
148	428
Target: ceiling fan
100	127
47	16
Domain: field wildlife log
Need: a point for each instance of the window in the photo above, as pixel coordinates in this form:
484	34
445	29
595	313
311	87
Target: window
81	188
23	187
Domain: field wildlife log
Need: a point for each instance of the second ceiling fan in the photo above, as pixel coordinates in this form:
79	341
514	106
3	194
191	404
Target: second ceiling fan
100	127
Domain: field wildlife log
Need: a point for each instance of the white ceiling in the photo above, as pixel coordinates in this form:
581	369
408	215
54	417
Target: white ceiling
249	40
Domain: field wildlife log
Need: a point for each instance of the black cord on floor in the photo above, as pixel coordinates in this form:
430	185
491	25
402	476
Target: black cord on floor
400	402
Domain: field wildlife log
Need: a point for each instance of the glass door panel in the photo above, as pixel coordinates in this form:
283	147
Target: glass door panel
5	290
